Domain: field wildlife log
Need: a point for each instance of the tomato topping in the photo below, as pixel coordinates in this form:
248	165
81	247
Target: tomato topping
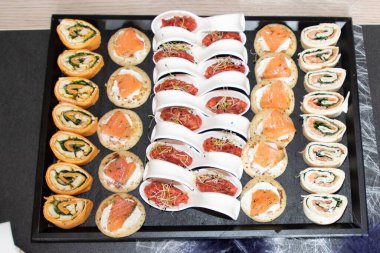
215	183
221	145
185	22
170	154
223	104
175	84
215	36
165	195
182	116
222	65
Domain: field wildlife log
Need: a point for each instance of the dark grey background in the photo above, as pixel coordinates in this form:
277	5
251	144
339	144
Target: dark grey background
22	73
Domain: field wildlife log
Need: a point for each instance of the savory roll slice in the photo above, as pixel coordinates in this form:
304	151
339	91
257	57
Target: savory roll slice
274	125
120	215
80	63
78	91
68	117
263	157
128	46
69	179
72	148
263	199
277	66
320	128
322	35
326	103
318	58
78	34
66	211
121	171
119	129
319	154
275	38
324	209
128	87
330	79
321	180
272	94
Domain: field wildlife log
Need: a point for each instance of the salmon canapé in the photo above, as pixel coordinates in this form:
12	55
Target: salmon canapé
120	211
278	125
262	201
118	126
120	170
128	85
274	36
128	43
267	155
277	68
275	97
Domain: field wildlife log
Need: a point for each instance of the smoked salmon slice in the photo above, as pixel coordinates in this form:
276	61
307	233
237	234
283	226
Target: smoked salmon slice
117	126
127	44
120	170
121	209
278	125
277	68
262	200
127	84
266	155
275	97
274	36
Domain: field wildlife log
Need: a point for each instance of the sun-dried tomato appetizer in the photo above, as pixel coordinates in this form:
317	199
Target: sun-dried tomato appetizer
170	154
165	195
224	64
185	22
213	144
174	49
176	84
183	116
215	183
215	36
224	104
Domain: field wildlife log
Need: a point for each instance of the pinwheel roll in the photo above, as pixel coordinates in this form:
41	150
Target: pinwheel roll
272	94
72	148
78	91
322	35
274	125
78	34
68	117
80	63
318	58
319	154
327	103
324	209
69	179
262	157
330	79
275	38
120	215
263	199
320	128
321	180
66	211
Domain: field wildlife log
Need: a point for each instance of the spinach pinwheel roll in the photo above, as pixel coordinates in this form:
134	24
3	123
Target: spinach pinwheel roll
80	63
321	180
326	103
78	91
322	35
72	148
69	179
329	79
324	209
78	34
323	129
68	117
319	154
318	58
66	211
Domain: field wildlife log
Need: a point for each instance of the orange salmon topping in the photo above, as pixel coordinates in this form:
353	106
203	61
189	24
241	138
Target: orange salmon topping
127	43
278	125
277	68
262	200
266	155
127	84
118	126
121	209
275	97
120	170
274	36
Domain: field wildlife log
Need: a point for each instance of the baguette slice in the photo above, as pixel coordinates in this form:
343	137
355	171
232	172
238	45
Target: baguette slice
321	180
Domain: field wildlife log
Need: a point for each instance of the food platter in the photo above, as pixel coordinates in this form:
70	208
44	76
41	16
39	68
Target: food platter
202	223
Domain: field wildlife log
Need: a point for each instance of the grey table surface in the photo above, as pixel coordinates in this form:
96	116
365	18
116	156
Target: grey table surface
22	73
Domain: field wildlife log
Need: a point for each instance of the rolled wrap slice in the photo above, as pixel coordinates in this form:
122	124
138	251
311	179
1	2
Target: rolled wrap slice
72	148
76	90
322	35
65	211
319	154
324	209
68	117
78	34
318	58
326	103
329	79
80	63
321	180
69	179
320	128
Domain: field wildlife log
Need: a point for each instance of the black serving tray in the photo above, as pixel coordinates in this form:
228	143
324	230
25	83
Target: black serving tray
198	223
